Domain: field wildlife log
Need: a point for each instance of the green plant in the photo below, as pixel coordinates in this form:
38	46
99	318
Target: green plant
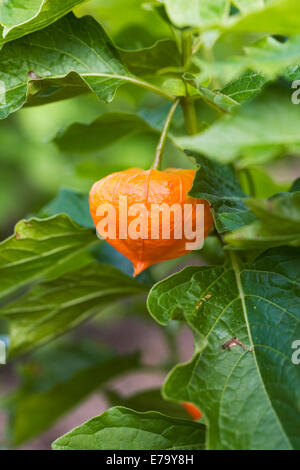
232	67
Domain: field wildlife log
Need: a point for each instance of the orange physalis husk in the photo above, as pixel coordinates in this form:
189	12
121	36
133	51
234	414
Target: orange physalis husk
192	410
148	187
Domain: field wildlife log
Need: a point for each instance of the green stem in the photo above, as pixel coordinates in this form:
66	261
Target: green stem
163	137
190	117
187	103
186	46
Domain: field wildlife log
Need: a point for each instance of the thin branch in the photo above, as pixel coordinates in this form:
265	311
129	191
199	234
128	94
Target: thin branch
163	137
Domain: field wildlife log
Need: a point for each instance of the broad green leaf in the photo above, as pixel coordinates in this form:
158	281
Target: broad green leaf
71	52
124	429
249	394
56	306
278	17
295	186
109	128
20	19
219	185
200	13
147	400
163	55
38	248
268	57
278	224
248	5
56	380
237	92
73	203
257	132
133	24
102	132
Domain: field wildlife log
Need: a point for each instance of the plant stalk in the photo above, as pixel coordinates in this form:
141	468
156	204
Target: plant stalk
186	47
189	113
163	137
187	104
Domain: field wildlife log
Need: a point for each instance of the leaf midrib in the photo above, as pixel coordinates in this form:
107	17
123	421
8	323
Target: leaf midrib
237	273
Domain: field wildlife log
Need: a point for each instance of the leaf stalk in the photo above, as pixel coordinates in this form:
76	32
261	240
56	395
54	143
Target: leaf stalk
163	137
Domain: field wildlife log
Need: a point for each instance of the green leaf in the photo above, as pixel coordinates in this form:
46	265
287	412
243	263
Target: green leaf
250	397
72	203
124	429
219	185
102	132
227	99
175	86
134	24
20	19
200	13
268	57
70	53
38	248
147	400
56	380
278	224
245	87
257	132
56	306
162	55
278	17
296	185
218	99
248	5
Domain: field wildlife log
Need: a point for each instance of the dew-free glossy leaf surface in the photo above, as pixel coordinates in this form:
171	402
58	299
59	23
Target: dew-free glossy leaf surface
102	132
147	400
258	131
249	396
70	53
219	185
38	247
246	87
278	17
162	55
73	203
199	13
20	18
124	429
267	56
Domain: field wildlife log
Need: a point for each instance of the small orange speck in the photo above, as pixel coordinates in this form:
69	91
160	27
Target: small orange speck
192	410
